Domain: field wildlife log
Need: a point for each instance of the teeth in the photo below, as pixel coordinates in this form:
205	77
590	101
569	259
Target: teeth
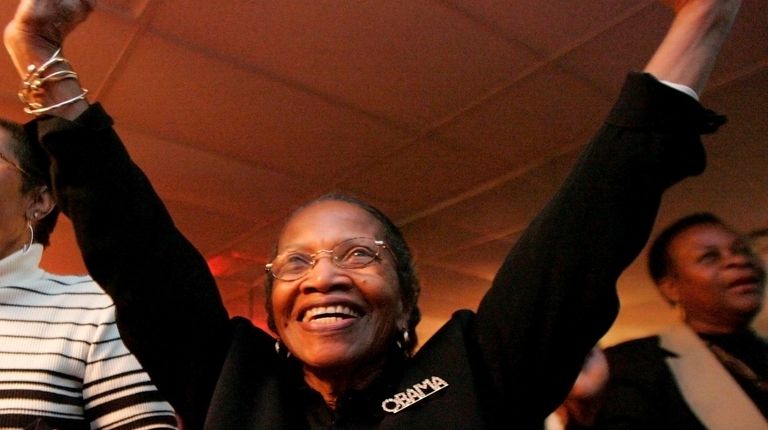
328	320
329	314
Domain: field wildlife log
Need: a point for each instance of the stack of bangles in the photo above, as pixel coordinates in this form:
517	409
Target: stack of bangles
36	79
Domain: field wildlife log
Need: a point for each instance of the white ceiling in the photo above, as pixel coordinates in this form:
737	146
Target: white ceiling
459	118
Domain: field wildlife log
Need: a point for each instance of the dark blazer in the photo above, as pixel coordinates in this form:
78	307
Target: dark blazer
642	393
506	365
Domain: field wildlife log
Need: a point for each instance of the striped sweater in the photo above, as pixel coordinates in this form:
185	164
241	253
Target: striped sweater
61	356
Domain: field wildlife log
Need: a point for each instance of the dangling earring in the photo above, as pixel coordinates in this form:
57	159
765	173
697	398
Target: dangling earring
404	338
279	346
28	245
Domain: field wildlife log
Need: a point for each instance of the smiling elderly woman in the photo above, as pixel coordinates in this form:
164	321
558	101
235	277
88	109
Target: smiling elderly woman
342	295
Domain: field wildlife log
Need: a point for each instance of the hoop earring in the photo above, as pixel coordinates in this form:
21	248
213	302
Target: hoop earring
28	245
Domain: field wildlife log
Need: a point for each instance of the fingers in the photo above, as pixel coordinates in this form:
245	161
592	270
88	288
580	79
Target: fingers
51	20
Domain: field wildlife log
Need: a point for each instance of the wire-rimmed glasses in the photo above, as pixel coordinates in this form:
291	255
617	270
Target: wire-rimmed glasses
354	253
14	165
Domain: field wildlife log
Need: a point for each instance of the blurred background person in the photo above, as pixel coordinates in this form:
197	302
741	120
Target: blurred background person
710	370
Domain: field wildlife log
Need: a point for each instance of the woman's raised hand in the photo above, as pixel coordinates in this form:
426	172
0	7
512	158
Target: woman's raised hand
33	39
688	52
48	21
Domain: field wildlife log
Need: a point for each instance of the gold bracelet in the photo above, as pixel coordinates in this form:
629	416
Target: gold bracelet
33	82
38	109
32	69
60	75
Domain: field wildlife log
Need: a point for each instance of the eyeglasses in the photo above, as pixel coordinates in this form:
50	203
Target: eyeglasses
354	253
14	165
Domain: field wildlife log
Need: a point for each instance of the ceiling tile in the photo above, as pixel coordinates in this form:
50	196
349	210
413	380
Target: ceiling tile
529	121
606	59
413	61
184	173
500	211
550	26
435	235
747	45
213	105
429	173
480	260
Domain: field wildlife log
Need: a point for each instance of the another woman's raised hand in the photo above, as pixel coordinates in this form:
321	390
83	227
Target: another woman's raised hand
34	39
48	21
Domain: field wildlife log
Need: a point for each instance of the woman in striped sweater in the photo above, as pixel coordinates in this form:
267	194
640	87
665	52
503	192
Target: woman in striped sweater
63	364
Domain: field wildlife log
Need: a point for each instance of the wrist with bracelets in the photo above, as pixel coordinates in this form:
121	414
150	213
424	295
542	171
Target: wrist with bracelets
33	84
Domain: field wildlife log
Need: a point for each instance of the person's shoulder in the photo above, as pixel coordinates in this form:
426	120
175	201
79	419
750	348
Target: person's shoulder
83	282
641	349
636	355
633	344
74	286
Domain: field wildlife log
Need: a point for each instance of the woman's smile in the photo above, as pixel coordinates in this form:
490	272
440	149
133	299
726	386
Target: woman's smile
328	314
